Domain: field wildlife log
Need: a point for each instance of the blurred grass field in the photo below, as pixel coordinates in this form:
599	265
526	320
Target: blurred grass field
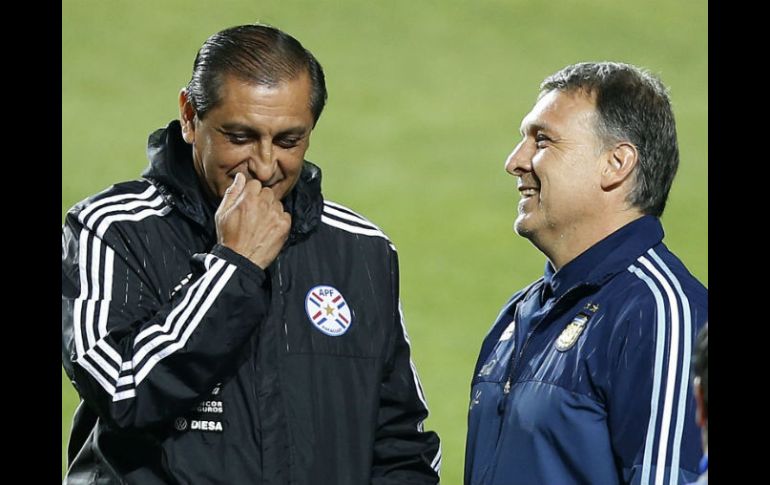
425	100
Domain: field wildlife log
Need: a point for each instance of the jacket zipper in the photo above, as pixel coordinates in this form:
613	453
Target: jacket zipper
490	471
283	305
281	298
516	359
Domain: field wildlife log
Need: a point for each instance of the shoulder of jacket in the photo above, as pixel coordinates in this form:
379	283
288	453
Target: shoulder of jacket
131	201
660	275
341	218
650	289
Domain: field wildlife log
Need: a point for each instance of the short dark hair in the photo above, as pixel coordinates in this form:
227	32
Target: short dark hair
257	53
632	105
700	363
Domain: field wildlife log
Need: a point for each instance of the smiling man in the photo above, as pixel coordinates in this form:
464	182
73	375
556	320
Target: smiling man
221	321
583	379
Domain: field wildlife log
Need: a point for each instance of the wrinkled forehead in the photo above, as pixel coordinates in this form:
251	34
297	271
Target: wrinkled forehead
298	85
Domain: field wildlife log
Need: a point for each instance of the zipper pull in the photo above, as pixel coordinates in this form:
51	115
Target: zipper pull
504	399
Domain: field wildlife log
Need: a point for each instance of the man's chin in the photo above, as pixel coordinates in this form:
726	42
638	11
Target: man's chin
521	228
526	229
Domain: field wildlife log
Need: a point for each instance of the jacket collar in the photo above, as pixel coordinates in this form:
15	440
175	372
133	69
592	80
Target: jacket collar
171	170
606	258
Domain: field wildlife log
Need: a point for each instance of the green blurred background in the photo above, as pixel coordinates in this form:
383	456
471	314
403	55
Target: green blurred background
425	100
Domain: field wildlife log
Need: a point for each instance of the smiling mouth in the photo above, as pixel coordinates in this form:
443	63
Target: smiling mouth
528	191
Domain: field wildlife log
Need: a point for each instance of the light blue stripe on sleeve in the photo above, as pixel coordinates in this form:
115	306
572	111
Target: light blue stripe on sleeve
658	371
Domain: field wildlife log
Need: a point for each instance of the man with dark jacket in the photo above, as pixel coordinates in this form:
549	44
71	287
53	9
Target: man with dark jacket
221	321
583	379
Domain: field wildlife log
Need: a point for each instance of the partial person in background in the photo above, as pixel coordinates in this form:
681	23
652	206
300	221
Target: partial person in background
221	321
700	385
583	379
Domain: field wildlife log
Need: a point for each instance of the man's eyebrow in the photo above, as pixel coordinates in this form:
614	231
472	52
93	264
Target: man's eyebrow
241	128
294	130
237	127
534	127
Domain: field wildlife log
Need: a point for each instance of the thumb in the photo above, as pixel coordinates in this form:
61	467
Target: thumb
232	192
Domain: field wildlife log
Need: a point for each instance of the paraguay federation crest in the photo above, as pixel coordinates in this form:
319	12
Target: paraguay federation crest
327	310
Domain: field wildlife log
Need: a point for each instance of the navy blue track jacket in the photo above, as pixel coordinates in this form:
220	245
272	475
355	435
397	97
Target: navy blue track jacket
584	377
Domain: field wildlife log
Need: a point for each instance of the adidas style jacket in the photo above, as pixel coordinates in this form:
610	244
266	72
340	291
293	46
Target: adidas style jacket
584	377
195	366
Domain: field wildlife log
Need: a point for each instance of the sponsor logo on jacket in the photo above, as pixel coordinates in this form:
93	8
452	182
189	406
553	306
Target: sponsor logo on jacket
197	424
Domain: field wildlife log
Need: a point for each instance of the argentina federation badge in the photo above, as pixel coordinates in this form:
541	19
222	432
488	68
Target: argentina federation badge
571	332
327	310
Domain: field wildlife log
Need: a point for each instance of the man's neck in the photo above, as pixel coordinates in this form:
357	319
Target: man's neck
571	243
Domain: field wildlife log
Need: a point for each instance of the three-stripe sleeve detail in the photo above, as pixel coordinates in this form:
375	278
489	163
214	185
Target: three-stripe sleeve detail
91	309
673	334
436	462
341	217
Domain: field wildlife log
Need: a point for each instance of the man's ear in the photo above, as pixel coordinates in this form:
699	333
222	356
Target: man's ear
618	165
186	116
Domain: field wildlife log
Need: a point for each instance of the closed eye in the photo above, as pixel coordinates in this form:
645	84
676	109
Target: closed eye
290	142
237	138
541	140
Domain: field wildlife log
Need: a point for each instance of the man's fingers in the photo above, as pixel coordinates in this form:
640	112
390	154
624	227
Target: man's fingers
232	192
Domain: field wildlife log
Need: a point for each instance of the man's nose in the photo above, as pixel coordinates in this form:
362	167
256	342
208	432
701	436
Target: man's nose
519	161
262	162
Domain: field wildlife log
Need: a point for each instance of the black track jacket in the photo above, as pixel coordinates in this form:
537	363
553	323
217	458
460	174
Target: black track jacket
195	366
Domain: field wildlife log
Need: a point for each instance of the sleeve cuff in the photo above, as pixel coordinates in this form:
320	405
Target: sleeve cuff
240	261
